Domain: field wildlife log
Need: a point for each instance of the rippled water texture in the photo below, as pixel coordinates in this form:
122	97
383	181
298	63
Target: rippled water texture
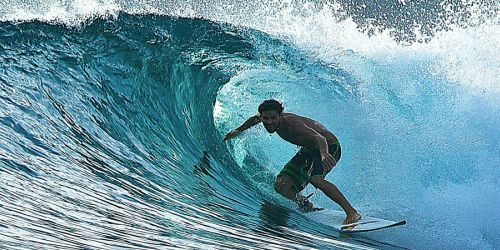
112	116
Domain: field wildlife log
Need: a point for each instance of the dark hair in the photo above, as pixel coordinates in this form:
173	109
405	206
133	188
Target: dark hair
270	104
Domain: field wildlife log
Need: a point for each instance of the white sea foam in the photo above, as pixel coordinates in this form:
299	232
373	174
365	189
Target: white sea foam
398	145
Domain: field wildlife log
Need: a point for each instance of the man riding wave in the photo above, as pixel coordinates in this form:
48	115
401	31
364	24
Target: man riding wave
320	151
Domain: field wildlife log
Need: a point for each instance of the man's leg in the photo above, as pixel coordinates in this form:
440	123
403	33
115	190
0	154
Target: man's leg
284	185
334	193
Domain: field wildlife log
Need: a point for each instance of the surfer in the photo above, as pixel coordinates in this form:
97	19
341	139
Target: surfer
319	153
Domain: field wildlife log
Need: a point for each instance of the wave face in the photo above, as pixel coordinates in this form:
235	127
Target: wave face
112	115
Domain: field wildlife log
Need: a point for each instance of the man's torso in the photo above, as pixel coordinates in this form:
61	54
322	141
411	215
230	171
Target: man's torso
287	131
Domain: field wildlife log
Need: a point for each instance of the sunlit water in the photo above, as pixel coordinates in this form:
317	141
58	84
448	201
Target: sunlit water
112	115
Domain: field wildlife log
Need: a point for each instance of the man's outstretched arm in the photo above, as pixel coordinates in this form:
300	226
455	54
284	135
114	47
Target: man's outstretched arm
250	122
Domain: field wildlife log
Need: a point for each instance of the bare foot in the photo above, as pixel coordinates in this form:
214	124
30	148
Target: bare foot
352	217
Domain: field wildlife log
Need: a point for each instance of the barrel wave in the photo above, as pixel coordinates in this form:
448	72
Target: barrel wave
112	132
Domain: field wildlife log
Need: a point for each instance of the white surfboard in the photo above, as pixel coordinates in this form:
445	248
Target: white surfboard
335	218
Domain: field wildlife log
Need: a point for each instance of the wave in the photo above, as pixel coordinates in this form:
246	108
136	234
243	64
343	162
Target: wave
112	127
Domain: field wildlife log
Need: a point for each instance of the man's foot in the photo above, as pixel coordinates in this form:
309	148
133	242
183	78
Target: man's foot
352	217
305	206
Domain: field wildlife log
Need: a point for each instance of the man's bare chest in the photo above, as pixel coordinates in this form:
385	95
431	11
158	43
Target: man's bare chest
295	139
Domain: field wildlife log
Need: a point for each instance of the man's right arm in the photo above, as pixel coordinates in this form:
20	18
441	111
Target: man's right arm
250	122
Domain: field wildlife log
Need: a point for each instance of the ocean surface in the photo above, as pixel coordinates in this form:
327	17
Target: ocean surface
112	115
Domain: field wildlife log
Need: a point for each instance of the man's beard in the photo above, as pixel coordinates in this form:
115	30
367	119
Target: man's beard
271	129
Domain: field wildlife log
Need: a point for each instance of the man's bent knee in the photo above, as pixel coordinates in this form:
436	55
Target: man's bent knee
283	184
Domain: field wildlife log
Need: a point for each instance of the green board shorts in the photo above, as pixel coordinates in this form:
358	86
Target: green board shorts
307	164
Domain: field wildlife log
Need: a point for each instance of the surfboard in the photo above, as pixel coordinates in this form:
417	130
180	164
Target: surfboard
335	218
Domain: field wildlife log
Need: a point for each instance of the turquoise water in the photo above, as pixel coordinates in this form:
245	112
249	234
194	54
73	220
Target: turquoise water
112	116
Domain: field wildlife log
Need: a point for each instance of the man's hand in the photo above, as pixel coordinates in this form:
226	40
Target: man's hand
328	162
231	134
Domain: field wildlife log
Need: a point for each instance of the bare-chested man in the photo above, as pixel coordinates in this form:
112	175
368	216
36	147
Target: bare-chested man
319	153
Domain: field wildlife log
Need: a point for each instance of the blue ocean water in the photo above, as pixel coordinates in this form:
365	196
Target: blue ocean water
112	116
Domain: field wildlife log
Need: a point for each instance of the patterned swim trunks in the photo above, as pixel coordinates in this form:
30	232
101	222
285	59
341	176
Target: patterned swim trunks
307	164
